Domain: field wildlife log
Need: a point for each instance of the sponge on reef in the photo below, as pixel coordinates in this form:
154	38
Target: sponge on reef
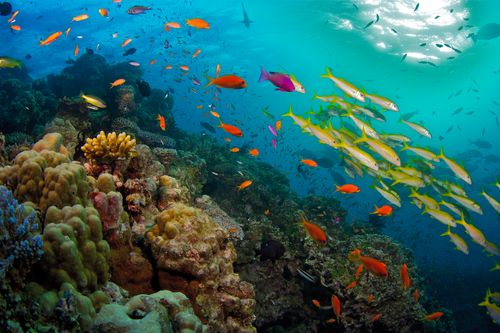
74	250
107	148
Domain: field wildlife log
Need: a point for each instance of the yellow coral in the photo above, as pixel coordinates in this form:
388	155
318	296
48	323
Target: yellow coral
106	148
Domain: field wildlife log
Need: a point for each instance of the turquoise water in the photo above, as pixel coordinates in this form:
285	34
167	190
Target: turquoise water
304	37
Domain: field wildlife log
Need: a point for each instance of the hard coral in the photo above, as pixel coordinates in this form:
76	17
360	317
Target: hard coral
74	250
193	256
107	148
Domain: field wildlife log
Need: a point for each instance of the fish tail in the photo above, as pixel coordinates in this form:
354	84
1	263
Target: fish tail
289	113
441	154
263	75
486	298
328	74
448	232
315	95
210	81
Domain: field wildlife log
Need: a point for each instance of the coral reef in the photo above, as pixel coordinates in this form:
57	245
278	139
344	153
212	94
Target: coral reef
162	312
107	148
192	254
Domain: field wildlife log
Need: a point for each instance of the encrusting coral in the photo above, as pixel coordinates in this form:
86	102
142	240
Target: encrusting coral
107	148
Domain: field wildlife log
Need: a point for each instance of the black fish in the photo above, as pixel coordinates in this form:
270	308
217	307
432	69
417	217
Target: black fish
456	50
378	18
458	110
394	30
5	8
436	17
439	45
144	88
246	20
428	63
416	7
355	6
271	249
130	51
208	127
449	129
28	56
368	24
89	51
423	44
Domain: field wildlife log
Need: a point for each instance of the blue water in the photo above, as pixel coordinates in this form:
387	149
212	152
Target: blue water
303	37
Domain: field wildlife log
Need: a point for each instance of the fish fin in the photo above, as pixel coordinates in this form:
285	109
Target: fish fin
289	113
328	74
264	76
363	137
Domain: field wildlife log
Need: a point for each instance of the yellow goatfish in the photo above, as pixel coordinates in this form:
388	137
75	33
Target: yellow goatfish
474	233
459	242
441	216
493	309
360	155
297	119
427	154
466	202
495	204
8	62
456	168
345	86
380	148
93	100
417	128
383	102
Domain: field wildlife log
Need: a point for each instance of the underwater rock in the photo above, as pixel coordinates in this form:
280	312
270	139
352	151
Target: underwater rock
144	88
113	217
124	100
131	270
208	206
193	256
162	312
170	191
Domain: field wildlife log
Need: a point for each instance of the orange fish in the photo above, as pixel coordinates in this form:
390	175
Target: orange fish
196	53
51	38
347	188
267	212
254	152
373	265
75	52
233	130
314	231
126	42
433	316
199	107
80	18
104	12
336	306
316	303
215	114
117	82
278	125
358	271
117	1
244	185
330	321
384	210
184	68
217	70
376	317
152	62
163	124
227	139
310	163
67	31
370	298
198	23
171	25
168	67
228	81
405	278
415	295
15	27
351	285
13	16
234	150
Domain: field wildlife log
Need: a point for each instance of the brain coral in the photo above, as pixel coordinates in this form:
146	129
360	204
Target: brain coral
74	250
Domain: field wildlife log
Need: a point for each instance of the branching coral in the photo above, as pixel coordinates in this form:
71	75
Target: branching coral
107	148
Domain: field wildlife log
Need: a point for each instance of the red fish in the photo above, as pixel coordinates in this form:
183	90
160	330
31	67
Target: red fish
358	271
163	124
233	130
314	231
347	188
351	285
51	38
376	317
336	306
415	295
433	316
198	23
384	210
405	278
228	81
373	265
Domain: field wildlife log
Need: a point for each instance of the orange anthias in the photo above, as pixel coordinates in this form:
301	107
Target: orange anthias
415	295
351	285
347	188
373	265
117	82
254	152
434	316
231	129
336	306
405	278
198	23
384	210
358	271
314	231
51	38
376	317
244	185
228	81
316	303
310	163
163	124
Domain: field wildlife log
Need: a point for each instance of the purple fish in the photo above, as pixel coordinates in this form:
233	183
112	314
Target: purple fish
195	81
167	44
272	130
280	80
273	141
137	10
